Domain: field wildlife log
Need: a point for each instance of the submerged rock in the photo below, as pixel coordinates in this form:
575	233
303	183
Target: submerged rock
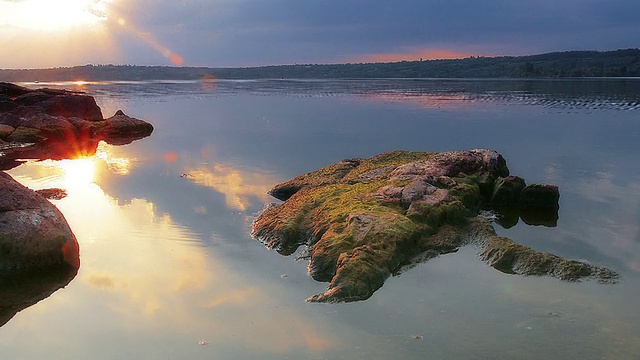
366	219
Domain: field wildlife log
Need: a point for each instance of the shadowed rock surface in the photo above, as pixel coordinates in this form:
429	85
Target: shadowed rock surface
19	291
366	219
58	124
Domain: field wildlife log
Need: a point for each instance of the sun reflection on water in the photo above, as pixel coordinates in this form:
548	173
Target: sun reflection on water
142	268
77	173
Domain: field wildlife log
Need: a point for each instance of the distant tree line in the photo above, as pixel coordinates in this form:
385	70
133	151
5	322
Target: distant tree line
569	64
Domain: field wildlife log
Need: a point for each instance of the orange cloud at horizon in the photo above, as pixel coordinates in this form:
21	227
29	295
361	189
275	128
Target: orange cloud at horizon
418	54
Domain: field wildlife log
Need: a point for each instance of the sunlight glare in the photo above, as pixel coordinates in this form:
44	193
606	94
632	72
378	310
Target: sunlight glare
78	173
46	15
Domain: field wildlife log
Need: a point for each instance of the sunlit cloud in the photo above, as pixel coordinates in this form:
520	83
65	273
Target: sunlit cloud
43	33
46	15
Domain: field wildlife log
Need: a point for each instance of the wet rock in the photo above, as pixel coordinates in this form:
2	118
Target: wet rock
364	220
507	191
539	196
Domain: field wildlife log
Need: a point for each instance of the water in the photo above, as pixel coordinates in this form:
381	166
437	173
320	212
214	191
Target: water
170	272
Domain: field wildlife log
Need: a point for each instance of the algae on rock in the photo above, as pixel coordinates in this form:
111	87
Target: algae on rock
366	219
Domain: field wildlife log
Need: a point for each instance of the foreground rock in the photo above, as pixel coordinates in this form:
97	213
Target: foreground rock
56	124
366	219
34	234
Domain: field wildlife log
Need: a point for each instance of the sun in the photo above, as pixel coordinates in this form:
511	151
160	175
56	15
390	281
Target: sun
49	15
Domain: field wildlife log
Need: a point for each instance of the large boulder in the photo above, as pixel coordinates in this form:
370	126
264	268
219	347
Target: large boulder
364	220
34	235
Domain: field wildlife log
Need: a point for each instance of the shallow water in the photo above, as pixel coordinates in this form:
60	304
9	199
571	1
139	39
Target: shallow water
170	272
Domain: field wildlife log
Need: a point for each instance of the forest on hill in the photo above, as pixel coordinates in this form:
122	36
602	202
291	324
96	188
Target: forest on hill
568	64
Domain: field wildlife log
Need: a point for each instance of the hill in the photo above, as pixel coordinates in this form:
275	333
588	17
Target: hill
569	64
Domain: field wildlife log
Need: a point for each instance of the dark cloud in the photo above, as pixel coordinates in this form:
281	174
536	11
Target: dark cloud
247	32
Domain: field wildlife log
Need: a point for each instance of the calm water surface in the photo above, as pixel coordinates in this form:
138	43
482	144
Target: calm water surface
169	270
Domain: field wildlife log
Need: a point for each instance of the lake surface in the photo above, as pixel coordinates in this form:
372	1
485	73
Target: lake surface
169	270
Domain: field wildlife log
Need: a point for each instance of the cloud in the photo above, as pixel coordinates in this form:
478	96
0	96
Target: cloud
252	32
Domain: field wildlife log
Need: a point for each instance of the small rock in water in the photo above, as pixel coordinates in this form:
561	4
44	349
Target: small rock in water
418	337
284	276
52	194
202	343
528	328
554	313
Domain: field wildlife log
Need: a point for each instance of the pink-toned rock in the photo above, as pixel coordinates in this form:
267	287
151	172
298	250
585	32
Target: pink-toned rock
33	233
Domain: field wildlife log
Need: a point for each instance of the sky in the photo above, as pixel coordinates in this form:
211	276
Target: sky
232	33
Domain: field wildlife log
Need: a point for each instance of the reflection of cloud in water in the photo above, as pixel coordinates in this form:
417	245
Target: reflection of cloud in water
621	224
101	281
152	275
425	100
115	164
237	186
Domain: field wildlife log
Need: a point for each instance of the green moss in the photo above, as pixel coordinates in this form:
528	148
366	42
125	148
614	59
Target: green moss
24	135
362	226
389	160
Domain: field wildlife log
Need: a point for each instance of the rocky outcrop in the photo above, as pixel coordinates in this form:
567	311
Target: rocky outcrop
366	219
55	124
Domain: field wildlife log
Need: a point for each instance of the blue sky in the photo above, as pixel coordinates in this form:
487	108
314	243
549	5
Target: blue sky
263	32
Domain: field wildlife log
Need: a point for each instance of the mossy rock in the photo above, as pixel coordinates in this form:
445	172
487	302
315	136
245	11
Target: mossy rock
366	219
26	135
